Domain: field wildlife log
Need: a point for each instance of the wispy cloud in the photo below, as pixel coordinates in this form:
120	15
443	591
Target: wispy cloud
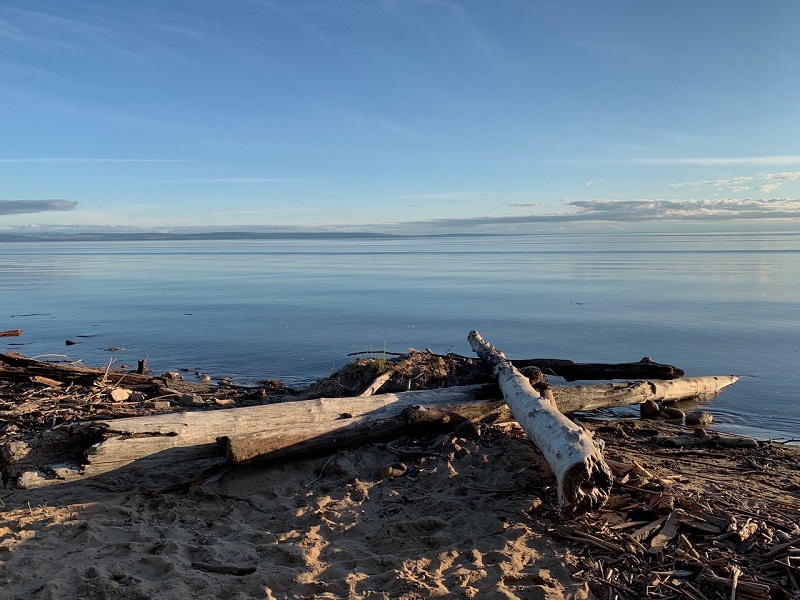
18	207
527	204
444	196
91	160
240	180
765	182
766	161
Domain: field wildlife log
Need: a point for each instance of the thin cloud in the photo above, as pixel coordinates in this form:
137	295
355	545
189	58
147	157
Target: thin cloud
239	180
56	159
765	182
19	207
444	196
527	204
775	161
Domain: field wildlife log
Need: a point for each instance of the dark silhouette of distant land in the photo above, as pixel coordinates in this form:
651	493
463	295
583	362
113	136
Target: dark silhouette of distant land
209	235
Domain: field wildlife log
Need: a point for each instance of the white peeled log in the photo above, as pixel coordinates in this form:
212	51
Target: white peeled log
584	479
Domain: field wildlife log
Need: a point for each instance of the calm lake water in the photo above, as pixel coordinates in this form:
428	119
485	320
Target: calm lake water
293	309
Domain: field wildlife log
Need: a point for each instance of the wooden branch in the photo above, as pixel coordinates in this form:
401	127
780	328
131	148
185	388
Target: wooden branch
376	384
584	479
11	333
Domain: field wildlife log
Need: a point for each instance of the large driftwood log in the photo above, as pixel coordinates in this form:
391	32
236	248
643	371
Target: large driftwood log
584	479
572	371
176	442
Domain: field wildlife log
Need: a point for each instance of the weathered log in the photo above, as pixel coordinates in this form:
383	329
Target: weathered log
11	333
579	398
176	441
584	480
572	371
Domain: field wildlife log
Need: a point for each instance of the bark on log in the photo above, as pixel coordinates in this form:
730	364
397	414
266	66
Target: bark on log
584	480
11	333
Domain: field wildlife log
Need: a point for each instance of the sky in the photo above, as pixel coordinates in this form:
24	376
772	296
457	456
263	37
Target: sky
510	115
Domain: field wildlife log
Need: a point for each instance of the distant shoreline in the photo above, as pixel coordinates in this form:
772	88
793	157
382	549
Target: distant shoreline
131	236
209	235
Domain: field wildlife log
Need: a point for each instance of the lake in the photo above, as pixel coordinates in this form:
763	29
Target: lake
293	309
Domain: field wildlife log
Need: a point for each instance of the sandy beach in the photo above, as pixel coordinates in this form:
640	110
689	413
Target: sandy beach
462	524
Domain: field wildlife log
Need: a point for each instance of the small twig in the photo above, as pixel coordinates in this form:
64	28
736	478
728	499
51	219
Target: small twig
735	580
377	352
321	472
108	368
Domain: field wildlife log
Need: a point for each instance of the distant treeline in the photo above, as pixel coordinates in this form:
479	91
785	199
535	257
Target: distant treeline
210	235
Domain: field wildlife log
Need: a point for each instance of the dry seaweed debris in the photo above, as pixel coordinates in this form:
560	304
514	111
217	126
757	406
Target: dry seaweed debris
692	523
413	371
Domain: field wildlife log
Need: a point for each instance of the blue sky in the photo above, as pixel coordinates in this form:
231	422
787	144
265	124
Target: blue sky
512	115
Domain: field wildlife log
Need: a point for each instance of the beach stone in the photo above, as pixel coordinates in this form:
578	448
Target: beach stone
699	417
120	394
649	409
170	375
137	397
669	412
467	430
393	470
191	400
160	404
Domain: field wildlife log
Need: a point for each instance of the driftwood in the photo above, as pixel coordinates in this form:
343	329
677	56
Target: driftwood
572	371
188	440
20	367
11	333
584	479
176	441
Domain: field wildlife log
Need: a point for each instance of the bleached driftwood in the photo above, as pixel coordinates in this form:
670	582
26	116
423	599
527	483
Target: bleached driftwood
578	398
178	441
584	480
185	441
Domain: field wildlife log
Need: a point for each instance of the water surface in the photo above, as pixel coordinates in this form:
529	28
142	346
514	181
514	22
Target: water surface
293	309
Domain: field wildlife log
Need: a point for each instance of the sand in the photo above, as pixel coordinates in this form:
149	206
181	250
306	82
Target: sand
464	523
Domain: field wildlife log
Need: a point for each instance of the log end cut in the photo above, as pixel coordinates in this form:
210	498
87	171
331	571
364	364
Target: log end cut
586	484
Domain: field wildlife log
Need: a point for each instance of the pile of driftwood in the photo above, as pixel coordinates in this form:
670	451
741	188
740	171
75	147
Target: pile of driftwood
655	511
74	438
688	522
